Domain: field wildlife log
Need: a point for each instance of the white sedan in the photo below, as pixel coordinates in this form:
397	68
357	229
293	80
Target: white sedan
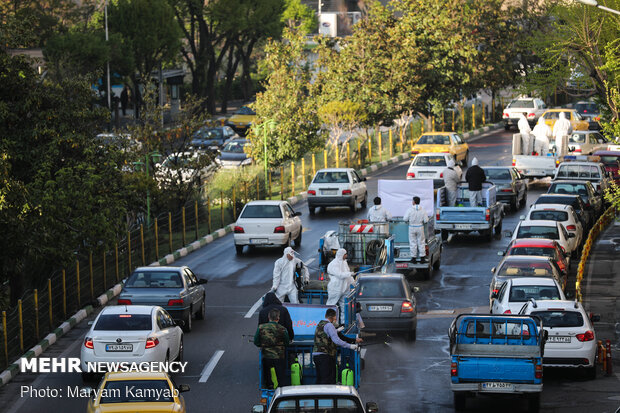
267	223
564	214
431	166
134	334
515	292
546	229
337	187
571	340
183	167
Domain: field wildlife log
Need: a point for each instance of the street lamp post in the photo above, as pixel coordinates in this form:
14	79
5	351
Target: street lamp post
595	4
148	158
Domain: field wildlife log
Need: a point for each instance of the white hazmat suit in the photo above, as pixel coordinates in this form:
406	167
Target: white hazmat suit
284	276
378	214
416	216
451	179
525	131
542	133
340	280
562	127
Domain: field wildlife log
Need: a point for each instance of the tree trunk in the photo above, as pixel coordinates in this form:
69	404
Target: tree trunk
137	97
231	69
246	63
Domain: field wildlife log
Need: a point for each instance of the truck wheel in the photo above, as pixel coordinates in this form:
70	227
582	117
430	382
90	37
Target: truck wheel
514	204
239	249
534	403
297	240
353	206
466	159
498	230
444	234
428	271
459	401
437	262
365	201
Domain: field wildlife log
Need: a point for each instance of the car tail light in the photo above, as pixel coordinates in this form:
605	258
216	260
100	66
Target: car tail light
531	115
454	369
311	192
279	230
151	342
406	307
539	371
587	336
238	230
346	192
571	227
506	115
415	152
123	301
577	150
426	250
441	175
437	216
495	290
514	162
557	163
88	343
410	175
487	217
175	301
507	312
506	190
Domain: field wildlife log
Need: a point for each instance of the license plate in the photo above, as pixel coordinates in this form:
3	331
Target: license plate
497	386
258	240
427	172
462	226
119	347
329	191
558	339
404	265
379	308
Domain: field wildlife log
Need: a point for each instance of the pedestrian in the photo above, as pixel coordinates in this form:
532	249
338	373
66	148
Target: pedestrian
542	133
272	338
271	302
475	177
416	216
377	213
562	127
325	351
451	179
124	99
525	131
284	276
340	280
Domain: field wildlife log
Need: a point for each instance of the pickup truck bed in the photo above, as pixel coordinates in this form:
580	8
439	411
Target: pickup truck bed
402	254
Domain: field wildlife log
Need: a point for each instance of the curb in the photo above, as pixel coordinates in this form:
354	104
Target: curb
482	130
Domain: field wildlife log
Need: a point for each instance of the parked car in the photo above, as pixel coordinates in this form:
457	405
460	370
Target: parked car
586	171
337	187
531	107
546	229
586	216
591	198
184	168
571	339
328	397
575	118
516	266
540	247
564	214
233	154
430	166
212	138
242	119
517	291
387	304
611	161
267	223
445	142
583	142
511	185
176	289
122	141
590	112
134	334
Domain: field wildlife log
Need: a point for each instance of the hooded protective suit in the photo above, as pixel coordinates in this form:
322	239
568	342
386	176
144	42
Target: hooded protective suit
416	217
271	302
525	131
340	279
284	276
542	133
451	179
377	213
562	127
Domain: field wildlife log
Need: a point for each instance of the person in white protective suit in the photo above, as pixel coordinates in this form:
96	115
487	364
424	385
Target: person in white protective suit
340	280
525	131
284	276
377	213
542	133
416	216
451	179
562	127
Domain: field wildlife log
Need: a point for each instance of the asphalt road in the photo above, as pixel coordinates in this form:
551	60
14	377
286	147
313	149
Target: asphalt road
401	377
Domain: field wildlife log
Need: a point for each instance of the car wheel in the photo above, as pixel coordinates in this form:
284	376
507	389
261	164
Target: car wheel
353	206
200	315
506	127
459	401
311	210
523	200
444	234
180	356
514	204
437	262
287	243
239	249
188	322
487	234
534	403
365	201
298	239
466	159
498	229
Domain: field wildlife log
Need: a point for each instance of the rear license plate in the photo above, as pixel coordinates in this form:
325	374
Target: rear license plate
497	386
119	347
404	265
427	172
329	191
379	308
462	226
558	339
258	240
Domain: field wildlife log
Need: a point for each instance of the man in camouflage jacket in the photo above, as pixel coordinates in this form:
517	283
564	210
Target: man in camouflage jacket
272	338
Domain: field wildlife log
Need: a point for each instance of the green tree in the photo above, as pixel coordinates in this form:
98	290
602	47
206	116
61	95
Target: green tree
342	116
300	17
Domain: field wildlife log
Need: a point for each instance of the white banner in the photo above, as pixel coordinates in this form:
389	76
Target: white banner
397	195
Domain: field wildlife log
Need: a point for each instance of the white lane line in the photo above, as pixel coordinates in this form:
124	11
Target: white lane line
210	366
252	310
310	261
363	353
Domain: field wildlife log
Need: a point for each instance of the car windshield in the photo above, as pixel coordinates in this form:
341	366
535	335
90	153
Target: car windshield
522	103
522	293
537	251
322	404
563	200
331	177
434	140
610	160
429	161
570	189
376	288
206	133
177	161
578	171
526	269
244	110
136	391
154	279
124	322
560	318
549	215
261	211
497	174
586	108
538	231
234	147
577	138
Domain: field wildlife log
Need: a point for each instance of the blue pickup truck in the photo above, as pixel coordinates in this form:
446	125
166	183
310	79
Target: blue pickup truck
496	354
485	219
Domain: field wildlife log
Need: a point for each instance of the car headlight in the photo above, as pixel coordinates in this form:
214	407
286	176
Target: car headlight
247	161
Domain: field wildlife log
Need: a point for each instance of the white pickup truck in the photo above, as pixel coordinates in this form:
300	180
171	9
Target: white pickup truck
536	166
531	107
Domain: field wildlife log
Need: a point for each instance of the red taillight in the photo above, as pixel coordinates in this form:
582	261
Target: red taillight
124	301
415	152
346	192
88	343
587	336
454	369
410	175
238	230
151	342
487	217
507	312
437	215
441	175
279	230
175	301
506	190
539	371
311	192
577	150
506	115
531	115
407	307
495	290
571	228
514	162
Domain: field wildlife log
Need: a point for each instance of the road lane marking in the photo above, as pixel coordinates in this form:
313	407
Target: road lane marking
252	310
363	353
210	366
310	261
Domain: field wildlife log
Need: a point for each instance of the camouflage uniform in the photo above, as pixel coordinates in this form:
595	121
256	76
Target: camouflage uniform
322	342
272	338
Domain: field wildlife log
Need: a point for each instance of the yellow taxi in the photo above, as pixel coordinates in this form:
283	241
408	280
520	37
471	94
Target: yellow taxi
242	119
576	120
133	392
444	142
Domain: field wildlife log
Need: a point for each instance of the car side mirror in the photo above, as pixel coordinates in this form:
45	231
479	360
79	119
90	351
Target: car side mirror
493	270
259	408
522	217
372	407
91	322
501	253
297	214
183	388
202	281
